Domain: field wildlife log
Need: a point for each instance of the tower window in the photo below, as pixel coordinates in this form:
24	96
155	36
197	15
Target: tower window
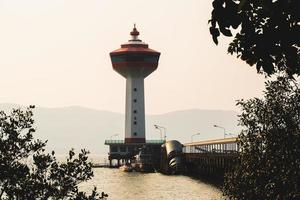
134	100
134	118
135	134
135	89
134	122
135	111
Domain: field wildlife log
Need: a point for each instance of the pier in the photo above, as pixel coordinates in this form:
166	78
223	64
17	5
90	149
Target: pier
210	158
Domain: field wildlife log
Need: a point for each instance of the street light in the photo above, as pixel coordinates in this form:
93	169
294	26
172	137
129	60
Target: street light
113	136
193	136
159	128
159	131
230	134
216	126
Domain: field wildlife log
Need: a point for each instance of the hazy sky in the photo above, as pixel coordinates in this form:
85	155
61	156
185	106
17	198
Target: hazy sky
56	53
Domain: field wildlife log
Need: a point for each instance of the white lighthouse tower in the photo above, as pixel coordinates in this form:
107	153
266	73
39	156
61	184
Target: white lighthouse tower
134	61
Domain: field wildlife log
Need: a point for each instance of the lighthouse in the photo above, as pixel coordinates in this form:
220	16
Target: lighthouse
135	61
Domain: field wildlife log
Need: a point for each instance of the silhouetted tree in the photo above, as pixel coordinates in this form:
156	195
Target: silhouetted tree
267	32
27	172
268	165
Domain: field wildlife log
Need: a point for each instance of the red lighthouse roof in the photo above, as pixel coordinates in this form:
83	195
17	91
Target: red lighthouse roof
134	45
134	58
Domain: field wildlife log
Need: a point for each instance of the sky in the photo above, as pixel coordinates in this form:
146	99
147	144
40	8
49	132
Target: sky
55	53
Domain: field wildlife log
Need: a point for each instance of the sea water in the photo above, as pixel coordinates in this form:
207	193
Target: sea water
147	186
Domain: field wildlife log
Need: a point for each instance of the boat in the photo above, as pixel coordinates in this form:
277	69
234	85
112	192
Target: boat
143	161
126	168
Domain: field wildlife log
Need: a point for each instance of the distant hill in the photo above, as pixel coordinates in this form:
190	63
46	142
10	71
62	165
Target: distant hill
78	127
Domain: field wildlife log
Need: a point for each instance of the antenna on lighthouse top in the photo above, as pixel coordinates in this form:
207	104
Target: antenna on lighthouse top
134	34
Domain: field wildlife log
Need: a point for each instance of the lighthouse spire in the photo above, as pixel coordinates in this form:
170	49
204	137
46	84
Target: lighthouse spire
134	34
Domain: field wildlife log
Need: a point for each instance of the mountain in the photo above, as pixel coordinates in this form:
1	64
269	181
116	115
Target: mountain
79	127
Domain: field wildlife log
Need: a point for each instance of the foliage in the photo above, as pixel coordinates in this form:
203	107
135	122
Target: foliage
269	158
27	172
268	32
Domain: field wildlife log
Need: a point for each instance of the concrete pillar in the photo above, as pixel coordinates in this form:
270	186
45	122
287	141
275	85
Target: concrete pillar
135	110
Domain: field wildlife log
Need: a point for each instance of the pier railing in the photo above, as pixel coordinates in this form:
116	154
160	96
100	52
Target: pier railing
108	142
114	142
228	145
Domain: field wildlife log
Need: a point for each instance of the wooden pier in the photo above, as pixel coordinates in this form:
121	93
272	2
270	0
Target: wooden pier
101	165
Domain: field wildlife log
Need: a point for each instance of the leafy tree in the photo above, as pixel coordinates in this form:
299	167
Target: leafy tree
27	172
267	32
268	165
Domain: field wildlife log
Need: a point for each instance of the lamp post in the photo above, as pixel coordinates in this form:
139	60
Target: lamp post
159	131
113	136
216	126
161	127
193	136
230	134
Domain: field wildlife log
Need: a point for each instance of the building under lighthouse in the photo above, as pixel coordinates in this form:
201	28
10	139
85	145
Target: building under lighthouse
134	61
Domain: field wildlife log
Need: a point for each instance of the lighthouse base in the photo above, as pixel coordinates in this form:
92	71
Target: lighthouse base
123	152
135	140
